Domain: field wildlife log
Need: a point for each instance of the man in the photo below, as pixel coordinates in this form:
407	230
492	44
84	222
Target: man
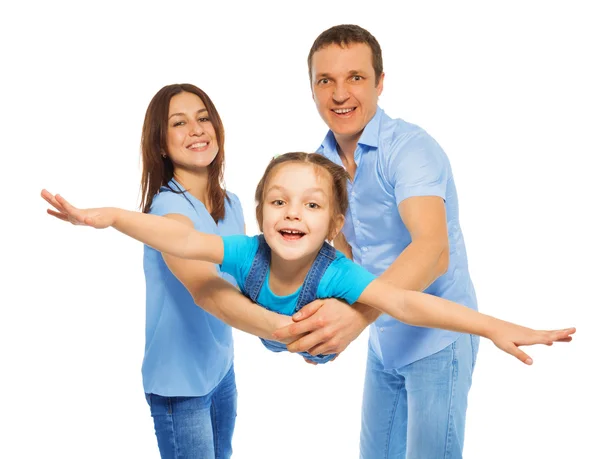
402	224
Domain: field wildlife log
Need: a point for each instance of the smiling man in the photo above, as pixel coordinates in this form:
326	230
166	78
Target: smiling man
402	223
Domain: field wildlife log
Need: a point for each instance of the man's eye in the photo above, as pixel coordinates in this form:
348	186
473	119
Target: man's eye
323	81
356	78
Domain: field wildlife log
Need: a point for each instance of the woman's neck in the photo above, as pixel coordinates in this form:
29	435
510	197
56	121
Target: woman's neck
196	184
288	276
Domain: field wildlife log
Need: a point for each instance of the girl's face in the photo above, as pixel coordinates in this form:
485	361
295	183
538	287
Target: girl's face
297	210
191	137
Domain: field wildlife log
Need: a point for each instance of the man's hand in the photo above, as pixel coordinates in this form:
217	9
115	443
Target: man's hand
328	326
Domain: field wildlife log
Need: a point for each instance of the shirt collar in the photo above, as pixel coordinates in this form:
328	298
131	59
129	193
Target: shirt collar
369	137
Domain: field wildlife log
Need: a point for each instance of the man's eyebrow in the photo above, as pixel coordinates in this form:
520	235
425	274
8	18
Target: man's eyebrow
350	72
183	114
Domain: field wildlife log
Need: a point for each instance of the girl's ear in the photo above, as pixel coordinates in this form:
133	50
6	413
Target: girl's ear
336	226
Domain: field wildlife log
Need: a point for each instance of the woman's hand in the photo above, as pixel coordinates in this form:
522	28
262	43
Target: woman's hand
96	218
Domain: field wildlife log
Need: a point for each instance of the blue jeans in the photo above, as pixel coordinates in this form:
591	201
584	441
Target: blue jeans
418	411
196	427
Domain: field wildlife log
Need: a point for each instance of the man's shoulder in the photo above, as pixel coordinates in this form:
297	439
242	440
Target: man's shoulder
396	131
399	137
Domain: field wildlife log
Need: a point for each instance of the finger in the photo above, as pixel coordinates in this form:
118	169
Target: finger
565	340
308	310
50	199
519	354
565	333
58	215
325	348
70	209
309	361
300	328
307	342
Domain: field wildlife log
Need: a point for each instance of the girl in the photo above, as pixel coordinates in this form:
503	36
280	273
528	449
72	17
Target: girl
301	201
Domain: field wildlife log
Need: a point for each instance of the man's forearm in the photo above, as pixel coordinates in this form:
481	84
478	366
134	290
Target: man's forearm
416	268
226	303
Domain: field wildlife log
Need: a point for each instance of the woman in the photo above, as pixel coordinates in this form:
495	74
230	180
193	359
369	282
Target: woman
187	370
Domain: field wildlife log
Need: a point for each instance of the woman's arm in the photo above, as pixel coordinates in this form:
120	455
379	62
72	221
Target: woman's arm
209	291
218	297
165	235
421	309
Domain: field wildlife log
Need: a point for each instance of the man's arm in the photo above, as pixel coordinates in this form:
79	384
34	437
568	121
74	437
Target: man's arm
331	324
221	299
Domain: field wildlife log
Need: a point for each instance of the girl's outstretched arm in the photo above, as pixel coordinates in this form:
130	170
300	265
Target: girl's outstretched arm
163	234
421	309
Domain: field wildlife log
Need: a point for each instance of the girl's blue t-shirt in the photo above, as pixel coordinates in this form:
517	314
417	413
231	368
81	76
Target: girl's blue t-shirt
343	279
188	351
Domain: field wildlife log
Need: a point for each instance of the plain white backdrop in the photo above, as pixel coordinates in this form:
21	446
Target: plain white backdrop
510	90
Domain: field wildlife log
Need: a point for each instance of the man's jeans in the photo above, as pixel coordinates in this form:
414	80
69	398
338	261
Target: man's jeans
196	427
418	411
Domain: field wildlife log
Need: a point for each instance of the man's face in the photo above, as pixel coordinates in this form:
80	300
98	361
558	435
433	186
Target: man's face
344	89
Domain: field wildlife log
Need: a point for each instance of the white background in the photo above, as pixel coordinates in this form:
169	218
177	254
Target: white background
509	90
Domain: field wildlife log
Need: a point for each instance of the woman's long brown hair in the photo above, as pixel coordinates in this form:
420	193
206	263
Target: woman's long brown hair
158	171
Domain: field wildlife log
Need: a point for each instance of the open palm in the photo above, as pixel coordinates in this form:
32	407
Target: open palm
96	218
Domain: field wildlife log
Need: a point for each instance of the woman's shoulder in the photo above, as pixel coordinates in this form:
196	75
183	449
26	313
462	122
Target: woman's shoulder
167	201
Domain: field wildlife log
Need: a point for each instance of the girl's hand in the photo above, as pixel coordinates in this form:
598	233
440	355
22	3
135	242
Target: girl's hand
509	337
96	218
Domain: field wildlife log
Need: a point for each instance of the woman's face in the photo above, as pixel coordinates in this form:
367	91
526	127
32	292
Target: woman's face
191	137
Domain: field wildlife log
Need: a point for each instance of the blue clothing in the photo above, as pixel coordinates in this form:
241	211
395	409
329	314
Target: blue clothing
307	292
190	427
419	410
188	351
248	259
397	160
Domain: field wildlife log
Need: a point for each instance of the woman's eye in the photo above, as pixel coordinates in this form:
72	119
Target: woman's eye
204	120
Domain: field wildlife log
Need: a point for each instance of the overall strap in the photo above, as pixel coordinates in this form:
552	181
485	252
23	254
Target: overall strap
258	270
311	283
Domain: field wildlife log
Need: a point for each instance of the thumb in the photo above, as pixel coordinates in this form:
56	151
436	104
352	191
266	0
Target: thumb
307	310
519	354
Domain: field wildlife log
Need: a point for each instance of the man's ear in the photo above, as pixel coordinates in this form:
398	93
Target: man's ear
380	84
336	226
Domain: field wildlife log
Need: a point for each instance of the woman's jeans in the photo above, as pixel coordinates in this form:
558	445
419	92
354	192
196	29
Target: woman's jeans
196	427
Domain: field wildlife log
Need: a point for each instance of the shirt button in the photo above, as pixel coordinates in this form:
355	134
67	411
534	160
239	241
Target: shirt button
364	249
358	222
381	329
353	194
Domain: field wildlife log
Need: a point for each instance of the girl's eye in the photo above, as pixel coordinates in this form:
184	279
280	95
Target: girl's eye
278	202
313	205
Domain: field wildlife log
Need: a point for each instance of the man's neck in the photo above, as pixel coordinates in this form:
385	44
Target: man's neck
346	151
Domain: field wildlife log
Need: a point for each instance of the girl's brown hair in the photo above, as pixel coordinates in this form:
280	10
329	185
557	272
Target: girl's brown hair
157	171
338	175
